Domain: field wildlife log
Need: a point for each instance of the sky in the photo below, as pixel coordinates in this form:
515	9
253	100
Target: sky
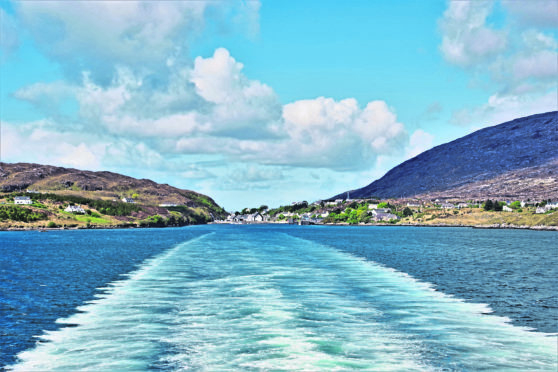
265	102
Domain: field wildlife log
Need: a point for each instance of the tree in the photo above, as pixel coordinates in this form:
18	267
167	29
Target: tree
135	196
383	205
497	206
262	208
515	205
407	212
488	205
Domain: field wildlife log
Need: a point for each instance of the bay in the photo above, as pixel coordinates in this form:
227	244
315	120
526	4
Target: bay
279	298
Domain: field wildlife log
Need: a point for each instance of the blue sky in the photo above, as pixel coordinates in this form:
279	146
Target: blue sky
265	102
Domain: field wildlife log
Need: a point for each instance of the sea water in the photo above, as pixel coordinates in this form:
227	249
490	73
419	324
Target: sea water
278	298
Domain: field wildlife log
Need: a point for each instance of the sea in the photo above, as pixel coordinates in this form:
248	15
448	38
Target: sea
279	298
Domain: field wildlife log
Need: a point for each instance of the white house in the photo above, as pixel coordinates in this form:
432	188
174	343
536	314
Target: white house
256	217
447	206
413	205
22	200
550	206
372	206
380	216
239	218
128	200
163	205
505	208
462	205
540	210
338	201
325	214
74	209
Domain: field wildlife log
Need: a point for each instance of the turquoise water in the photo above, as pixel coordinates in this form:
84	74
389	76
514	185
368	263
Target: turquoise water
262	298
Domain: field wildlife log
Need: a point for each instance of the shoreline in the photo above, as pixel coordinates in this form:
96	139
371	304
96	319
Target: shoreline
115	227
494	226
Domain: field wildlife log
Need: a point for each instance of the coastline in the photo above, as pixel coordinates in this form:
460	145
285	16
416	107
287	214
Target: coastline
494	226
115	227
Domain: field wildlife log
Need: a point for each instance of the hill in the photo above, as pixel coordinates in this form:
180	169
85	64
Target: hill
54	188
513	160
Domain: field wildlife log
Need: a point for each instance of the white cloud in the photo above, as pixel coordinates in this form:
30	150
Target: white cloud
502	108
238	118
242	107
419	142
466	37
99	35
520	62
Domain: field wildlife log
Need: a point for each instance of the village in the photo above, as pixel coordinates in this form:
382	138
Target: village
389	211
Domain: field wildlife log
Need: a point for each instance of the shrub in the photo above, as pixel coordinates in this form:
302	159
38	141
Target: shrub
52	224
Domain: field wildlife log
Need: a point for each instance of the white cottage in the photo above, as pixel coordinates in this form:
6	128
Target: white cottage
22	200
74	209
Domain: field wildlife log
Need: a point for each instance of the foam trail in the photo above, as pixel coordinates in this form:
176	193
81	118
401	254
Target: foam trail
232	301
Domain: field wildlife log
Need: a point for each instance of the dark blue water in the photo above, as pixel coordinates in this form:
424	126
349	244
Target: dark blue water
45	276
220	286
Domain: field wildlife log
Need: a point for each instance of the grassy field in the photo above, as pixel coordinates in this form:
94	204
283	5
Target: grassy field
477	216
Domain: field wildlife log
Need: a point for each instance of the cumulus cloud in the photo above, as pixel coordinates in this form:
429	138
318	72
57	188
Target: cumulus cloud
238	118
241	107
99	35
338	134
142	103
467	39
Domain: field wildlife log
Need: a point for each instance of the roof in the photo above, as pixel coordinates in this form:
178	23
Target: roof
22	198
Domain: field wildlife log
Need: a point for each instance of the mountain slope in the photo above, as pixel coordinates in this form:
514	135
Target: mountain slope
99	185
517	159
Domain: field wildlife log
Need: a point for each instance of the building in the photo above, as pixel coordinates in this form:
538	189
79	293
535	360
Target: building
540	210
325	214
128	200
447	206
413	205
462	205
550	206
372	206
380	216
74	209
505	208
256	217
22	200
239	218
164	205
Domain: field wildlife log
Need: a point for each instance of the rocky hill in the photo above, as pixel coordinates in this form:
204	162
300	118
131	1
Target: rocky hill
99	185
517	159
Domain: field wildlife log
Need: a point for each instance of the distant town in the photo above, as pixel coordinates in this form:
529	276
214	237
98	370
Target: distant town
376	211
